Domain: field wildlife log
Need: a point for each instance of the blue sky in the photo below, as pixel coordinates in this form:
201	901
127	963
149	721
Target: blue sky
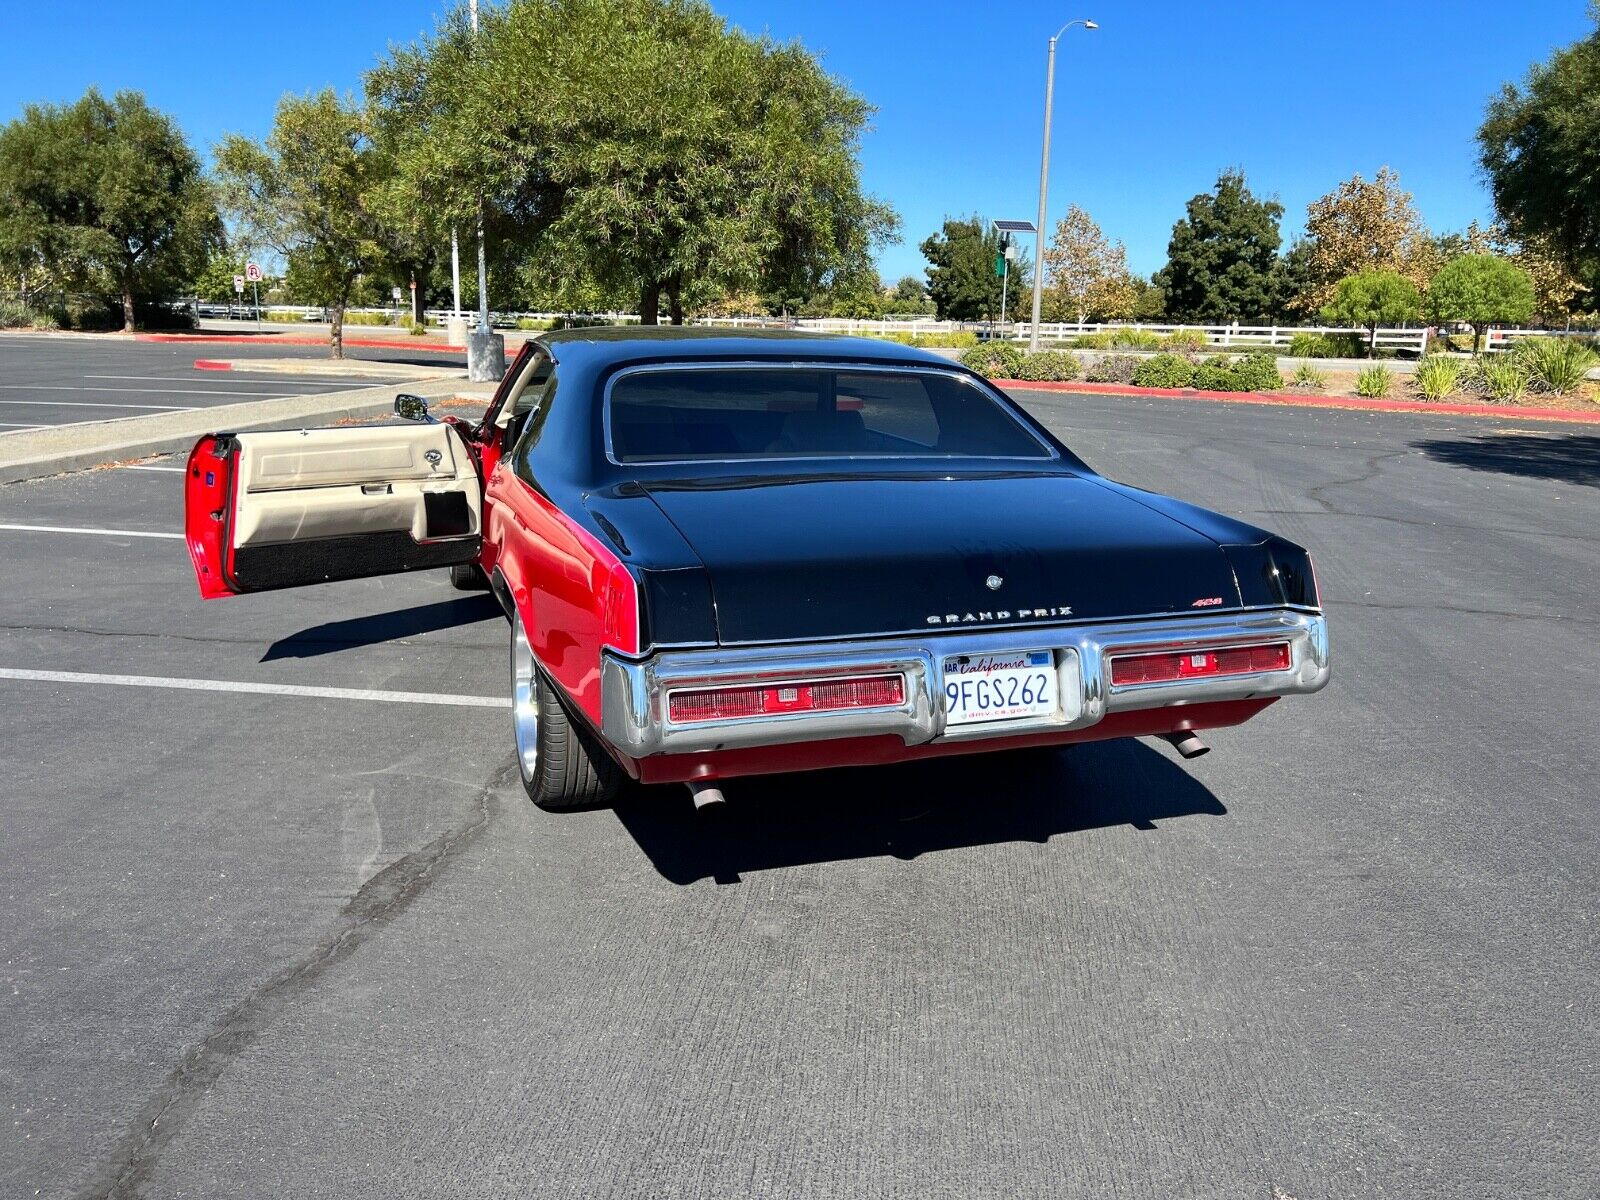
1148	108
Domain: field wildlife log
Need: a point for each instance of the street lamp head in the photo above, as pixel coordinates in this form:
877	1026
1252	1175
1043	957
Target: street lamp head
1091	25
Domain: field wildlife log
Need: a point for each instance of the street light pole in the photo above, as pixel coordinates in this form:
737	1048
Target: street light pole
483	268
1044	180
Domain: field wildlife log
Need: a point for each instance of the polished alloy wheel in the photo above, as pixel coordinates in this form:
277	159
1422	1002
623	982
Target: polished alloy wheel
524	700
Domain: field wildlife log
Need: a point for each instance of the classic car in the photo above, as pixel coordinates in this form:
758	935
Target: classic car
732	554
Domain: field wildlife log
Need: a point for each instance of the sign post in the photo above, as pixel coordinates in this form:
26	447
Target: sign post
238	290
252	272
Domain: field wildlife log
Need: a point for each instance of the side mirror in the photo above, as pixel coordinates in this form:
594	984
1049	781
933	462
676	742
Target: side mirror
412	408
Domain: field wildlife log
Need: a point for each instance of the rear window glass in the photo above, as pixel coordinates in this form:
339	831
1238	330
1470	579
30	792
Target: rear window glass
789	412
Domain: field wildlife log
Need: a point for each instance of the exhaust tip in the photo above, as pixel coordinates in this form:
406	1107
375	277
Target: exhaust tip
1186	743
706	795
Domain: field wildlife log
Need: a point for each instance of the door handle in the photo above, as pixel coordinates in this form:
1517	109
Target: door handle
377	489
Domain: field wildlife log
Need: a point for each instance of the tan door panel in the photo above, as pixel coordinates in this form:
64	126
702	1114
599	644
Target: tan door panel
300	485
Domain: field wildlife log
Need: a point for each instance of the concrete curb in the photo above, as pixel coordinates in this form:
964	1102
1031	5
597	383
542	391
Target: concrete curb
55	449
1506	412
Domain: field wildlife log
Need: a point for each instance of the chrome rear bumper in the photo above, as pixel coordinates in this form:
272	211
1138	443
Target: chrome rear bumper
637	722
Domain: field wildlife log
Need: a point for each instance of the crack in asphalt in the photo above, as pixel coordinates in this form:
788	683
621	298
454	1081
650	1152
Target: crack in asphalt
1422	524
1432	606
1371	468
378	901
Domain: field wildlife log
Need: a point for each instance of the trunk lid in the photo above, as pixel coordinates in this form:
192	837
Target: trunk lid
831	557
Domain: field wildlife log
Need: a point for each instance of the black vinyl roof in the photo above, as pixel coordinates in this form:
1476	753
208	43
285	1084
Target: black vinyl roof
613	345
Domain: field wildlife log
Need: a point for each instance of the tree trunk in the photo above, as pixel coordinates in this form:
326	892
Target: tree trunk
1477	338
419	301
650	304
127	310
336	329
675	300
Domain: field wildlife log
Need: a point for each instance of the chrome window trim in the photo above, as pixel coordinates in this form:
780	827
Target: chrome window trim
634	691
993	394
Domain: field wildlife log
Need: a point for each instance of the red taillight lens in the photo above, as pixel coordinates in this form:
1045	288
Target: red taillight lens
720	704
1199	664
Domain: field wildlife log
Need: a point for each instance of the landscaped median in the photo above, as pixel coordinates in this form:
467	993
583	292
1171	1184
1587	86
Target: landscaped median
54	449
1545	383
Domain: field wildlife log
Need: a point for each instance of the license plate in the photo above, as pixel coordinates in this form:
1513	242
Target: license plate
999	687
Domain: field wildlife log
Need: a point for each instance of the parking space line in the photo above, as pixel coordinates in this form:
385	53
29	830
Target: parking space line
18	425
264	689
52	403
145	533
72	387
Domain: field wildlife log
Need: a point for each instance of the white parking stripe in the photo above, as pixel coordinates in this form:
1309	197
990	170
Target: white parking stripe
100	532
17	425
264	689
66	387
54	403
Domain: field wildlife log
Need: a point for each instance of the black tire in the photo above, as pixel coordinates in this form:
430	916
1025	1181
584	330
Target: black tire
562	764
574	770
468	577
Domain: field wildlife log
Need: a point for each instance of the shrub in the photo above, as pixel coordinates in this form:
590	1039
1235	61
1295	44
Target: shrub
535	323
1374	382
1436	377
1554	364
15	315
1325	345
1190	341
416	328
1164	371
1308	377
1256	372
1136	339
1091	341
1502	379
1051	366
1112	368
366	318
996	360
1214	374
286	317
955	340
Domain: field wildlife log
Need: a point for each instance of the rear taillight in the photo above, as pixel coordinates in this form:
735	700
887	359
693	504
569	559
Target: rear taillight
1199	664
721	704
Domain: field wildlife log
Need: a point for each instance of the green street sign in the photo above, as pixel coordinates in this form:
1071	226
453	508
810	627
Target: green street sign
999	265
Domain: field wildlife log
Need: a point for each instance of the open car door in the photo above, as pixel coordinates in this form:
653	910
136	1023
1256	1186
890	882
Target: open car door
287	508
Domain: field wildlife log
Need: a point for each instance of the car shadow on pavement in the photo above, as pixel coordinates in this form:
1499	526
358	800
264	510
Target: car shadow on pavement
334	636
1565	459
905	811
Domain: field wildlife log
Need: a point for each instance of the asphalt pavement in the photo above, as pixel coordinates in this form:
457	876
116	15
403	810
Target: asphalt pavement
65	380
310	942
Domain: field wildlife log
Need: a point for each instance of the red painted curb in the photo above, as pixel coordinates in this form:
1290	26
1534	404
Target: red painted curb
212	364
1504	412
278	339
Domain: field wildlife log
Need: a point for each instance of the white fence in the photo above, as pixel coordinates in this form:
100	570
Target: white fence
1226	337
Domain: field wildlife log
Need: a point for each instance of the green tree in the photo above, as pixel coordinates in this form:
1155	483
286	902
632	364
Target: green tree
962	281
307	192
1086	273
104	194
1371	299
1482	290
1222	261
1297	281
644	144
1540	148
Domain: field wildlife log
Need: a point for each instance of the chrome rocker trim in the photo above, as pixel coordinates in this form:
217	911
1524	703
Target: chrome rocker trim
634	692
